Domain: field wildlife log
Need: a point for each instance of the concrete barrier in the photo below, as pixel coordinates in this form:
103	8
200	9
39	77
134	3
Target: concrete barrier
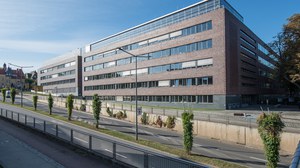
245	135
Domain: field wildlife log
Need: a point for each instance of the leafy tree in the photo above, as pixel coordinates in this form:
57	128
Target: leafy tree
13	95
96	108
270	127
3	94
70	102
287	46
50	103
187	118
35	99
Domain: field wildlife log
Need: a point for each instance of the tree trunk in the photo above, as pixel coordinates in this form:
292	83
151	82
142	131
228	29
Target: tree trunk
97	123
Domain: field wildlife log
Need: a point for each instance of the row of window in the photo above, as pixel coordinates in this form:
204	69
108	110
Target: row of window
158	54
248	63
248	85
184	32
176	17
172	99
66	73
266	52
153	70
61	90
58	67
266	63
264	73
149	84
248	43
247	56
247	49
248	36
58	82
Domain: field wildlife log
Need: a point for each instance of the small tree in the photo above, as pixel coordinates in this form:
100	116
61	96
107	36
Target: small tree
50	103
70	102
187	118
145	118
96	108
270	127
35	99
3	94
13	95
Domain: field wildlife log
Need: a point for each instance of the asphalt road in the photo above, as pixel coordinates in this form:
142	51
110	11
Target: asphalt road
208	147
127	152
65	156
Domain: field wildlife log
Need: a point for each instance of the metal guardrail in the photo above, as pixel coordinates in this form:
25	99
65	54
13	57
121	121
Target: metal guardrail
118	152
296	159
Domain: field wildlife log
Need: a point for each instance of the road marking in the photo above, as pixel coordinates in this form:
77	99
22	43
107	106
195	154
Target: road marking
258	159
117	153
80	140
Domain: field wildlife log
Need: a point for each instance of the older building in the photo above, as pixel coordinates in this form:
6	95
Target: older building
62	75
11	78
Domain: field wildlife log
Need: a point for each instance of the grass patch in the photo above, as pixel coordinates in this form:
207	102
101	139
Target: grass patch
165	148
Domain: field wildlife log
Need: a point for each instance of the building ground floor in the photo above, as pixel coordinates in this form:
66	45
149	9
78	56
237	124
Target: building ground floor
197	101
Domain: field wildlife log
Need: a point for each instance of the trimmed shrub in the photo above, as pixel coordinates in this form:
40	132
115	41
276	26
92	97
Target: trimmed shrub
109	112
82	107
187	124
170	122
145	118
35	100
3	94
50	103
121	115
13	95
270	128
96	108
159	122
70	102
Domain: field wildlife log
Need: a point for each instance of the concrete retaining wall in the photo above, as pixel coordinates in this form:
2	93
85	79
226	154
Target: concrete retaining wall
248	136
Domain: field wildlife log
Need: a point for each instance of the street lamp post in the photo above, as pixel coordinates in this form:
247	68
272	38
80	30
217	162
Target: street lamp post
136	91
21	67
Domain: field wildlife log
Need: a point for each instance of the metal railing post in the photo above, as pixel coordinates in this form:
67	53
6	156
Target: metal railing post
90	142
5	113
114	151
18	117
33	122
71	136
56	130
146	160
1	111
25	119
44	126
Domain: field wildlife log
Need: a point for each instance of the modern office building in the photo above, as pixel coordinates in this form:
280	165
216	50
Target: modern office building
202	55
62	75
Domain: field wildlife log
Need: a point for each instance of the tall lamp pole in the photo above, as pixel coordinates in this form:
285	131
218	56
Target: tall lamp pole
21	67
136	91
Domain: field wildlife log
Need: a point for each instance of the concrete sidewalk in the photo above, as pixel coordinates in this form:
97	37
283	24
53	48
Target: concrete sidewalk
16	154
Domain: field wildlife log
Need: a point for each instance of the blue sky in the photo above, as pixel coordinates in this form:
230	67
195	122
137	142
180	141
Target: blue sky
34	31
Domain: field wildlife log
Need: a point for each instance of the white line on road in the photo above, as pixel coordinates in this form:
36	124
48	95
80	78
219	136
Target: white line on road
117	153
258	159
80	140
